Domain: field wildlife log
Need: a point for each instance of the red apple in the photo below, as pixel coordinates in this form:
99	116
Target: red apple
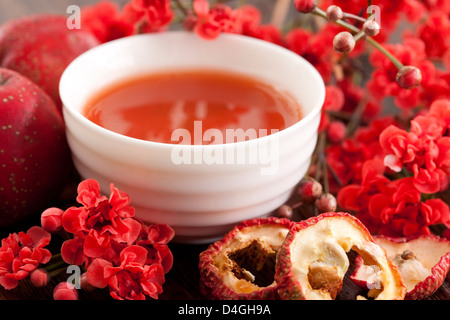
34	155
40	47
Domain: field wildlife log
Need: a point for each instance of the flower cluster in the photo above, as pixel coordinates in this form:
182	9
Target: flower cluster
392	207
21	254
388	168
105	235
109	22
420	155
402	176
208	22
116	250
100	226
424	151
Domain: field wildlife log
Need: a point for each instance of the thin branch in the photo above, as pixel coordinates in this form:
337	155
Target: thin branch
181	7
354	17
280	12
355	30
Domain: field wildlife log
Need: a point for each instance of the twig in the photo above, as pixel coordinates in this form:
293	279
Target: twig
354	17
335	176
322	162
355	30
280	12
356	117
55	266
181	7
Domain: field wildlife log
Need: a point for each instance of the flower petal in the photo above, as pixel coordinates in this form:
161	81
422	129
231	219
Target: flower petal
96	273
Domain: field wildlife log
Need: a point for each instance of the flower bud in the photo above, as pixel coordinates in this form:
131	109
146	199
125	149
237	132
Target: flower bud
334	13
84	283
371	27
305	6
190	21
326	203
409	77
51	219
309	190
344	42
65	291
39	278
285	211
336	131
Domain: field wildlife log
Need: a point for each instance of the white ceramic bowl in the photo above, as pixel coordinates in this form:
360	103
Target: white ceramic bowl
200	201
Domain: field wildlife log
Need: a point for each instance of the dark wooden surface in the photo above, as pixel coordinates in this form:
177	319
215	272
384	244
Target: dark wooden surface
182	282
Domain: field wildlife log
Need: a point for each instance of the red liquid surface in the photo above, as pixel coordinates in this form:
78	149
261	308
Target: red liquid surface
152	107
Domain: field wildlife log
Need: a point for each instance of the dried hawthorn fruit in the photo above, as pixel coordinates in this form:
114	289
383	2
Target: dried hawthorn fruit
423	262
312	261
241	266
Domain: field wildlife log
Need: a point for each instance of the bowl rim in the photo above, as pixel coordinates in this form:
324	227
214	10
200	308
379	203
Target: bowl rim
77	115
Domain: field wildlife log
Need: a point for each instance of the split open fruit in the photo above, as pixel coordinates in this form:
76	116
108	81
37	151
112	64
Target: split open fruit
313	259
304	260
423	261
241	266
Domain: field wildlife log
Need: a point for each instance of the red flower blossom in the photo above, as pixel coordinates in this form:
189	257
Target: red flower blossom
437	5
39	278
304	6
268	33
435	32
334	98
148	15
105	21
391	208
72	251
21	253
403	214
65	291
155	238
440	110
99	224
117	250
247	21
205	26
384	83
423	151
399	145
336	131
51	219
211	22
133	279
346	159
314	47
